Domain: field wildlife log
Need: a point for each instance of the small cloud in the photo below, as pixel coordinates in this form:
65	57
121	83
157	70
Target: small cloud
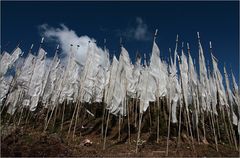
139	32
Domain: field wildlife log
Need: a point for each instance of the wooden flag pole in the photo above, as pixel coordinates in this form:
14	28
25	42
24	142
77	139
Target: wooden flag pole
141	111
229	113
46	119
55	106
41	43
49	118
188	119
203	118
63	112
180	112
76	119
119	127
157	97
105	135
215	137
104	109
158	117
222	110
21	113
150	119
64	104
169	124
128	113
198	111
135	113
169	119
103	120
119	117
139	131
211	115
193	100
73	115
80	92
225	125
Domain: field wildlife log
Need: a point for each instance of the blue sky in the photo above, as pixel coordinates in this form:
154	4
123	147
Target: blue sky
135	22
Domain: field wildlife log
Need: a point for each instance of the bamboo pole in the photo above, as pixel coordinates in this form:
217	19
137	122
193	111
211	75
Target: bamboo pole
196	117
219	136
129	130
225	125
64	104
179	126
150	119
119	127
49	118
189	124
215	137
157	95
169	124
105	95
28	115
185	119
46	119
19	121
158	119
75	109
105	135
136	113
188	119
193	100
203	124
20	118
55	115
103	116
232	131
139	131
76	120
41	43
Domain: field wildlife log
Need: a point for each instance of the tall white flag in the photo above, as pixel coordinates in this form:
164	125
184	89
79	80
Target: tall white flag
219	83
36	83
204	86
8	60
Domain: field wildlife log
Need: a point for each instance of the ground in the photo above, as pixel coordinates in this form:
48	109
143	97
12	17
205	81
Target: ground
26	137
27	141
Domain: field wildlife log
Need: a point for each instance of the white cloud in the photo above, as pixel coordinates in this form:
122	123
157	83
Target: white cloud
140	32
65	37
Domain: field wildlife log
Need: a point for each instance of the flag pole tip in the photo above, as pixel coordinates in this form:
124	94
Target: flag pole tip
178	57
198	34
156	31
42	40
188	46
120	40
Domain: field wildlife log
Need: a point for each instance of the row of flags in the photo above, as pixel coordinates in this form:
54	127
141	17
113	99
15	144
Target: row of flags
114	81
